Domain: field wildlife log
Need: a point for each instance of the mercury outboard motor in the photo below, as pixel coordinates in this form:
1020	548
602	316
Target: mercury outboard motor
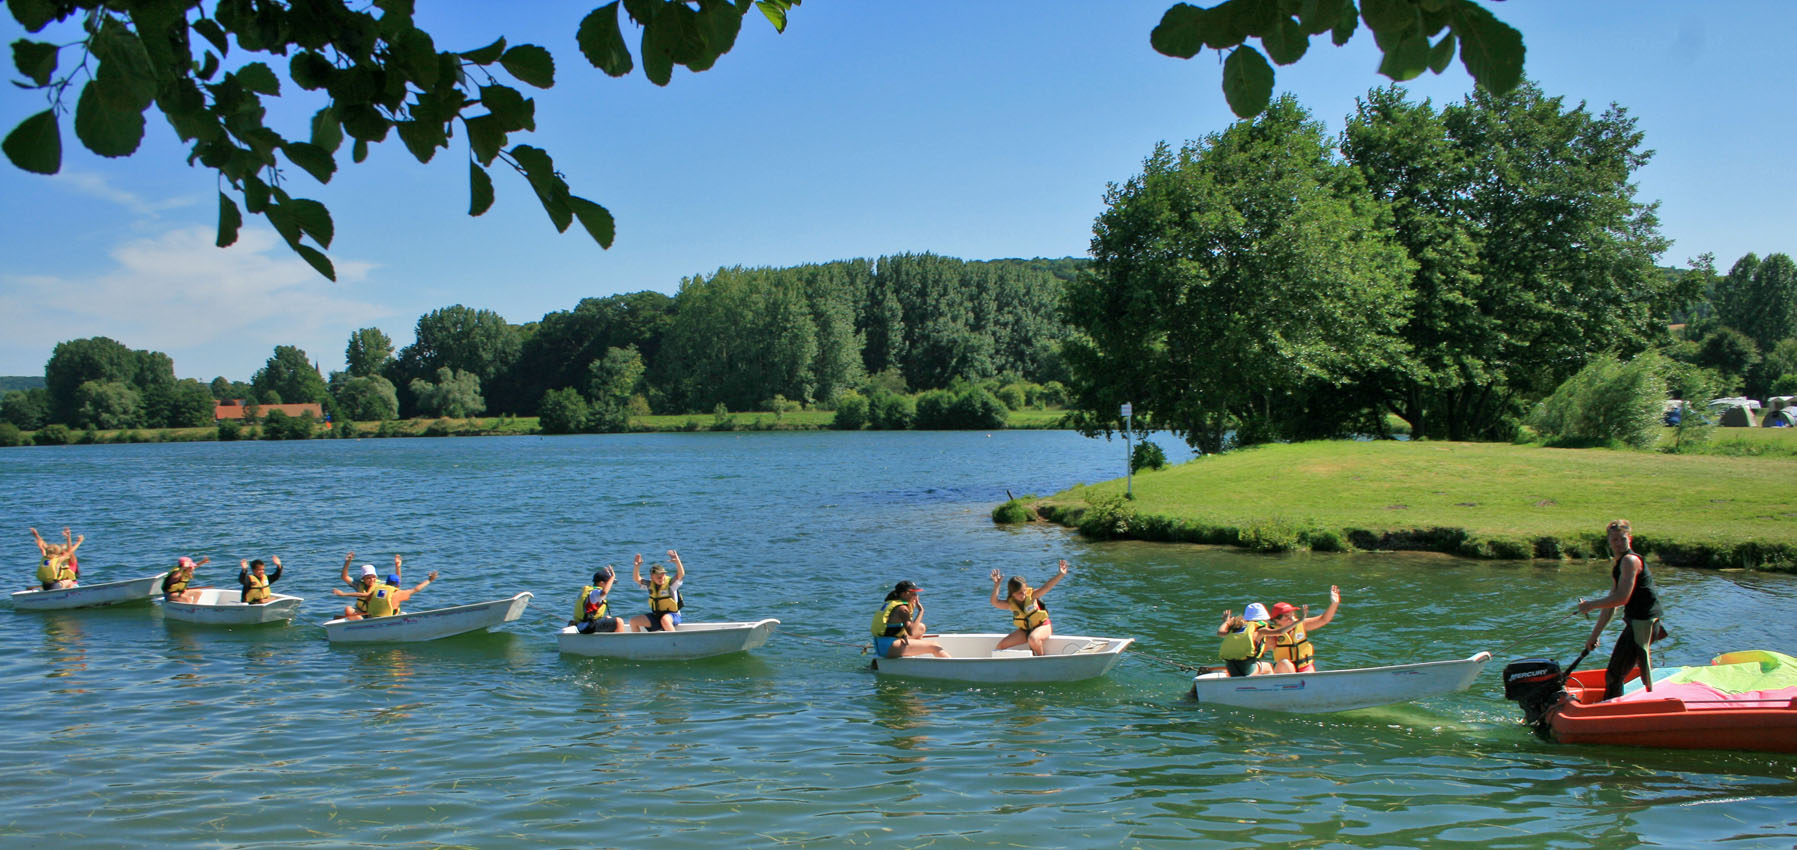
1535	684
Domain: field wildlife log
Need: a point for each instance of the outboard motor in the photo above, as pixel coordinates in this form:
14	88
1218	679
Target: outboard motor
1535	684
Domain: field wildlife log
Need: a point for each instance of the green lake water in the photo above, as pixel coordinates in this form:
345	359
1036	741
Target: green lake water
122	728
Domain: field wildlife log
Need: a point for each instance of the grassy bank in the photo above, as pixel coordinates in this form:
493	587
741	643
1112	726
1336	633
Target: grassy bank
1476	499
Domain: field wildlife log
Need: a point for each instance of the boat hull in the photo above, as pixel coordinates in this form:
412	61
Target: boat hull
1769	727
90	595
218	606
973	659
1340	690
413	627
689	641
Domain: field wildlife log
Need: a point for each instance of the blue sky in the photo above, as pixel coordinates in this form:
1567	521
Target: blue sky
976	129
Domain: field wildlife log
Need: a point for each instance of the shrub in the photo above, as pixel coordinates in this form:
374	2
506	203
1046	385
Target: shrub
229	429
1107	517
53	435
851	412
563	411
889	411
390	428
721	420
1271	535
1013	512
1327	540
279	426
346	430
10	435
1607	400
1015	396
1147	456
439	428
933	410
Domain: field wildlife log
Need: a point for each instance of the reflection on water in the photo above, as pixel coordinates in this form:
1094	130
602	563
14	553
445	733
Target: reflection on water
126	728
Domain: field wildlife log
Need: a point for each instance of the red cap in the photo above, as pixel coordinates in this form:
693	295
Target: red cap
1281	609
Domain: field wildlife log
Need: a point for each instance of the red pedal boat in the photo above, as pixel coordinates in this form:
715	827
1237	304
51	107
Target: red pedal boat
1682	712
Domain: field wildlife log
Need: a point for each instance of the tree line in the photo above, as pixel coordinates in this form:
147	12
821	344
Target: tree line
738	339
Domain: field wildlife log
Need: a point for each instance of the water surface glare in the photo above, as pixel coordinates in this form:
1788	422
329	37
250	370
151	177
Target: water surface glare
125	728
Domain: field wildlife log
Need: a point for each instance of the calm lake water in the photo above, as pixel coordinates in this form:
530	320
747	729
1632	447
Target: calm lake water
124	728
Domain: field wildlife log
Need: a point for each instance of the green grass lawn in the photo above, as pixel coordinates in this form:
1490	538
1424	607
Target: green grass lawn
1503	498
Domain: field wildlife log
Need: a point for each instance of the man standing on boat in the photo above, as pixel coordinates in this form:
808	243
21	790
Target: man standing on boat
1632	590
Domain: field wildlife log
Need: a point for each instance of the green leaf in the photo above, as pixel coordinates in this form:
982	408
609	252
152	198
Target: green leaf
365	123
1491	50
317	260
358	150
1180	33
510	108
1319	16
313	219
1407	59
35	59
258	78
34	15
212	32
720	22
1345	25
486	55
1286	42
327	130
1247	81
310	70
317	161
104	123
1387	15
661	37
1253	17
36	144
422	138
209	66
1442	53
775	11
420	55
602	42
229	220
551	190
530	64
125	68
485	137
480	190
255	195
596	219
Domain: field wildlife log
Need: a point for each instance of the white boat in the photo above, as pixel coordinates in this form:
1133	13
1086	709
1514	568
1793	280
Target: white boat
976	658
223	607
689	640
90	595
1339	690
414	626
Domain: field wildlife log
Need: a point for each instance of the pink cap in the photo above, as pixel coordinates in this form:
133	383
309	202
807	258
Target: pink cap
184	562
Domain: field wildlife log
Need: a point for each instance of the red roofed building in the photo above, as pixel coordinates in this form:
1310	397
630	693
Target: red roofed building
236	409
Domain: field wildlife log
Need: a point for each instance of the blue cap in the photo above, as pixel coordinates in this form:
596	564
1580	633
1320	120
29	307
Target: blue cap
393	578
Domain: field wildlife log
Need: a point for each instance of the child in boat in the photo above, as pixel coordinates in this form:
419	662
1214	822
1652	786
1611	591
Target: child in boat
174	585
664	595
1632	590
1029	617
379	600
1242	643
590	610
1290	632
898	628
56	565
255	579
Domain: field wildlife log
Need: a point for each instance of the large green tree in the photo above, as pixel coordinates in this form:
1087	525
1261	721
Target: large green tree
1759	298
455	393
1229	275
368	352
1531	250
290	375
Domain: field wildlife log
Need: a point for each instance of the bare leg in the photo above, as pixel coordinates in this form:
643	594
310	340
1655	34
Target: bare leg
1012	639
1039	637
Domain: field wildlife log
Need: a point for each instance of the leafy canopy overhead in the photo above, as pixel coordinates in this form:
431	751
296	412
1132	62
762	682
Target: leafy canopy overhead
1491	50
380	75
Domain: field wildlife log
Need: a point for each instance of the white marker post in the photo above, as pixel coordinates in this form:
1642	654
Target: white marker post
1129	454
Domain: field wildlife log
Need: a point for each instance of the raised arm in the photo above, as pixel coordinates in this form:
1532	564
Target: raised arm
636	570
276	575
396	565
1053	580
43	548
347	560
1321	620
998	578
403	595
1224	629
679	568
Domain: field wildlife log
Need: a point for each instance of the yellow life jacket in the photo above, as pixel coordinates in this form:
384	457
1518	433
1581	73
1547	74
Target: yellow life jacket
381	603
662	599
54	569
585	609
1241	646
174	584
882	625
1293	646
255	590
1029	613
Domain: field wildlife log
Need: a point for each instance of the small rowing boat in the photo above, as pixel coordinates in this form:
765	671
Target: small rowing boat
976	658
412	627
90	595
690	640
1741	701
221	606
1339	690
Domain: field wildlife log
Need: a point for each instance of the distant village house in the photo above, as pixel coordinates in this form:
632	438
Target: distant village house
236	409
